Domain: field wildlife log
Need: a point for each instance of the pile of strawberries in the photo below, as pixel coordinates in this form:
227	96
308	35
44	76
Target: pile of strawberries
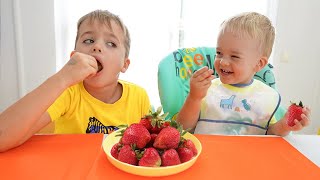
154	142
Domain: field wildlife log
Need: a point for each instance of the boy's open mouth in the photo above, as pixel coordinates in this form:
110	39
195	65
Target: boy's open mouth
99	66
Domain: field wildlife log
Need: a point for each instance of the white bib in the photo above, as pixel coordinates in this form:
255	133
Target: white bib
232	110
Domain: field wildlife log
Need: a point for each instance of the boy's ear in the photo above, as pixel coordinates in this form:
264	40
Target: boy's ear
263	61
125	65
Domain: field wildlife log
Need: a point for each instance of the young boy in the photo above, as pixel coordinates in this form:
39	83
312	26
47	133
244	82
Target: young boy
85	96
235	103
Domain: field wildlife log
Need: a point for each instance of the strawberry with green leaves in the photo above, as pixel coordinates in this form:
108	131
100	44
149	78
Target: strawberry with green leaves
154	122
294	112
150	158
136	134
146	122
128	155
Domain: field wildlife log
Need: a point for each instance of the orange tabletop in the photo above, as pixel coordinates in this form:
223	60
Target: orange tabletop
222	157
51	157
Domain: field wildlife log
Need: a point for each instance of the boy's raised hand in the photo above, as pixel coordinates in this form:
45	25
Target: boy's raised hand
79	67
200	81
300	124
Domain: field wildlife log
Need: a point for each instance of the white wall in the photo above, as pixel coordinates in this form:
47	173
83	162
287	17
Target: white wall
8	72
295	53
28	25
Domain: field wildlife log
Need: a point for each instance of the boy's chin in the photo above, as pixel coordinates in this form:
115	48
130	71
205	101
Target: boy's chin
226	81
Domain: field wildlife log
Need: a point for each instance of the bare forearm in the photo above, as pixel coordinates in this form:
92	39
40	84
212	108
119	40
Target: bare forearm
279	129
16	121
189	114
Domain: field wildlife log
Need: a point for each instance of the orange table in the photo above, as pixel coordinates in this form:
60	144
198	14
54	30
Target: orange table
223	157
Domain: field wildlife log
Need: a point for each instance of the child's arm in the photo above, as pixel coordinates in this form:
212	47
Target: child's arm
28	115
281	128
199	84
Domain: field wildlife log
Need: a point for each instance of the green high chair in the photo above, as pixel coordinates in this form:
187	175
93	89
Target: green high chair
175	70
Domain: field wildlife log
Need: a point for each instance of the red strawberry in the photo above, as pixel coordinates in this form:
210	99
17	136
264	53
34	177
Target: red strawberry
115	150
136	134
154	122
294	112
146	122
159	125
153	137
150	158
165	124
155	130
185	154
127	155
169	137
190	145
170	157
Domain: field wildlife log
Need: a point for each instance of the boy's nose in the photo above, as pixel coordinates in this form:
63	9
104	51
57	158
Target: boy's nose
96	49
224	61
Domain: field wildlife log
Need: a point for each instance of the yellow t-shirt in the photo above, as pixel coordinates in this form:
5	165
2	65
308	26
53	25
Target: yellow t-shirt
76	111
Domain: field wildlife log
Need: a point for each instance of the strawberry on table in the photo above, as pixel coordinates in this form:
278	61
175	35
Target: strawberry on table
294	112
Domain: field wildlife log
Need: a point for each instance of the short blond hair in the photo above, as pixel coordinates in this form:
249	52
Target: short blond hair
254	25
105	16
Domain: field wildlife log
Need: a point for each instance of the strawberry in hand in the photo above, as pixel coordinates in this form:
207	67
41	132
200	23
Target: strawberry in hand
294	112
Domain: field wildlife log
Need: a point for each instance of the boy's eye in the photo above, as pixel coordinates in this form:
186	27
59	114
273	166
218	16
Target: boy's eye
218	54
111	44
235	57
88	41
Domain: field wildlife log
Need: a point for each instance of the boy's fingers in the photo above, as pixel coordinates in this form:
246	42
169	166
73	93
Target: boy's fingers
204	71
297	125
306	111
305	121
203	74
200	71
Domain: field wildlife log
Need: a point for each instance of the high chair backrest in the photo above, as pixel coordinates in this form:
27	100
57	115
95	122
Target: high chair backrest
175	70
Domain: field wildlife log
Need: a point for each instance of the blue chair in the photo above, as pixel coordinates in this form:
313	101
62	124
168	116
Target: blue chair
175	70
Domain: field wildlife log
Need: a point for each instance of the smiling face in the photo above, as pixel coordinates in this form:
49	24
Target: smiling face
106	45
238	58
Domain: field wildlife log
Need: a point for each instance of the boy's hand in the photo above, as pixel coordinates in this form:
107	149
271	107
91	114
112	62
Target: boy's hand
305	120
79	67
200	81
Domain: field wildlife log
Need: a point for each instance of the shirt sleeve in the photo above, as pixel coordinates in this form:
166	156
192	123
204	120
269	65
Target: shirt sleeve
60	106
